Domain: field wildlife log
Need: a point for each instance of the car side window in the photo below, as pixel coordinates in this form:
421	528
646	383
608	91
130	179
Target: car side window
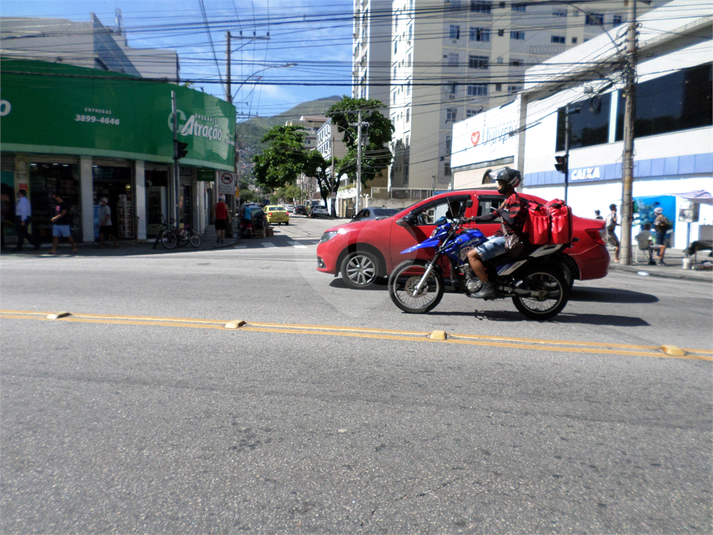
486	205
433	212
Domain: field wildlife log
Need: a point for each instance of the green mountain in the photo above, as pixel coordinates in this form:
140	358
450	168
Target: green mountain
252	131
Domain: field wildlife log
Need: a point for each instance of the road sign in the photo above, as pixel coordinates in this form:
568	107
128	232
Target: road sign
227	183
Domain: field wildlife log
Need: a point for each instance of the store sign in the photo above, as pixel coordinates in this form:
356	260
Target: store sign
63	109
486	136
205	175
587	173
227	183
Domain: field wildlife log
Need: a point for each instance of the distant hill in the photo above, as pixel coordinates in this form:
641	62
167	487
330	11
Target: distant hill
252	131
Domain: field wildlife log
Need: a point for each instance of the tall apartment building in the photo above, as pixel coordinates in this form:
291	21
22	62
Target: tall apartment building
452	59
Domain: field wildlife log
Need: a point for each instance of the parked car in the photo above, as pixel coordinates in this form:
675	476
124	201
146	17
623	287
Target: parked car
374	213
289	207
363	251
299	209
277	214
319	211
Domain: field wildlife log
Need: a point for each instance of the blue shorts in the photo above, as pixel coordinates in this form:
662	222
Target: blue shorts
494	246
61	231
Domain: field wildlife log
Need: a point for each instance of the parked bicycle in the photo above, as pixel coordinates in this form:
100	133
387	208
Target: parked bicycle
171	237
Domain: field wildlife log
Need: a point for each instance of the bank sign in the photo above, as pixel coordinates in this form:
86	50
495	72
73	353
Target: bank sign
61	109
487	136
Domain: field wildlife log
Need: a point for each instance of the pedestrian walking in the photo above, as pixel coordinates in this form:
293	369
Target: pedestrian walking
61	224
105	226
597	214
222	218
23	217
662	224
610	223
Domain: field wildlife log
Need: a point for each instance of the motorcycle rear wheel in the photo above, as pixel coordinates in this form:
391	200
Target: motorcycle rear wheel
553	282
403	281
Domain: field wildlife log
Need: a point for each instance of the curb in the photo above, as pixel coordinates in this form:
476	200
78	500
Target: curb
680	274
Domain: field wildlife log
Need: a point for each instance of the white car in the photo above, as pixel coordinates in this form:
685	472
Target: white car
318	211
289	207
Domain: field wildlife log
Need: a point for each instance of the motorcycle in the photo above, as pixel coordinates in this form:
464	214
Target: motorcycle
533	280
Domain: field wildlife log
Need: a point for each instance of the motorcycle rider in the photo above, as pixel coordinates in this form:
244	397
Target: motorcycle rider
513	212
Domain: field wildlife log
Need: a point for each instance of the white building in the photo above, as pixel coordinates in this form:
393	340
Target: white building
84	44
451	60
673	132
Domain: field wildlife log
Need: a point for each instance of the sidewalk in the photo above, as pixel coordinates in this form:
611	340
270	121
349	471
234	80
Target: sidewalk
673	268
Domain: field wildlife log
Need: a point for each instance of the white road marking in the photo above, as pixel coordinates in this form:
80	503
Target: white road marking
296	244
268	244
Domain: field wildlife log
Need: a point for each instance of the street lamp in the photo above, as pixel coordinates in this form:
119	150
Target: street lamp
232	96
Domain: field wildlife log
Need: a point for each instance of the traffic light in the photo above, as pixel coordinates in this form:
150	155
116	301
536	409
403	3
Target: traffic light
561	163
181	150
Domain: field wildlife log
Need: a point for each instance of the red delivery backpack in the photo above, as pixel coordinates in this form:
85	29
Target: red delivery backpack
560	221
537	225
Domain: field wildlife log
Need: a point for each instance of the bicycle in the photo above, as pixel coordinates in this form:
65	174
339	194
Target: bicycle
172	237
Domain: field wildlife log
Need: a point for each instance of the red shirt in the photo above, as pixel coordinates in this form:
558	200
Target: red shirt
221	211
513	212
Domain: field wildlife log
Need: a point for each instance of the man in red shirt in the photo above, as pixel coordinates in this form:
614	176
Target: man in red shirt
222	218
513	214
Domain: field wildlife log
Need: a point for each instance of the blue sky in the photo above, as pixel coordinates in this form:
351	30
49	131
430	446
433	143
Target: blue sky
314	35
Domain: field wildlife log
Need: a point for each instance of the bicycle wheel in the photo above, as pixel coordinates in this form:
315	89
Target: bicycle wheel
169	239
194	238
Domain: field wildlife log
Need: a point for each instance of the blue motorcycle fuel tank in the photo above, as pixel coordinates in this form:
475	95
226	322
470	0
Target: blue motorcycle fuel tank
464	242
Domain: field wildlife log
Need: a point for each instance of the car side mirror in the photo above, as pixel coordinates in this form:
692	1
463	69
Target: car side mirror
402	222
407	220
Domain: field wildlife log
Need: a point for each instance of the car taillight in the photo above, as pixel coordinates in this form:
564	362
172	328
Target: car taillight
269	214
597	235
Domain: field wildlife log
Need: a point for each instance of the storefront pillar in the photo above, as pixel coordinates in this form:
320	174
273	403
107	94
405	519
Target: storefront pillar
140	199
86	196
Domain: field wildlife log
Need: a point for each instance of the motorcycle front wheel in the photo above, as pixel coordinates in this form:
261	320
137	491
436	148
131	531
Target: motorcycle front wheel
553	294
403	282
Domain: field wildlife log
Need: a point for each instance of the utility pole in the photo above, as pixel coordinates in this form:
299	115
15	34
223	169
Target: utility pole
357	203
627	159
228	95
176	172
567	135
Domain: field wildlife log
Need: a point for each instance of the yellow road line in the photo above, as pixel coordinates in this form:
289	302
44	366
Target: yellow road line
379	334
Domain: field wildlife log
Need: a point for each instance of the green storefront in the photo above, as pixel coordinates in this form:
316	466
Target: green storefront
90	134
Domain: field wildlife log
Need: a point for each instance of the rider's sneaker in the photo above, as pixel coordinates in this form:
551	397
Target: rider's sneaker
487	291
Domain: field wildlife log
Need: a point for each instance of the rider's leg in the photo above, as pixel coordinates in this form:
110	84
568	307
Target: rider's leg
477	265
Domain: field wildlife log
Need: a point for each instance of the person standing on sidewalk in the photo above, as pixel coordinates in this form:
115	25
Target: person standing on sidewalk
62	222
23	217
662	224
222	218
610	223
105	224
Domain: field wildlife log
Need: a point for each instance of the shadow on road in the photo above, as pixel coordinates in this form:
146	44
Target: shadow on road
564	317
610	295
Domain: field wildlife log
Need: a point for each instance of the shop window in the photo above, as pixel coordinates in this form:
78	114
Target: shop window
671	103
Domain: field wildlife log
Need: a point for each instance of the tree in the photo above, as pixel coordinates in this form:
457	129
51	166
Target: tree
283	161
378	129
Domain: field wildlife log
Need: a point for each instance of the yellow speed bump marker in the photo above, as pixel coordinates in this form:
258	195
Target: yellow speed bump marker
235	324
674	351
438	335
58	315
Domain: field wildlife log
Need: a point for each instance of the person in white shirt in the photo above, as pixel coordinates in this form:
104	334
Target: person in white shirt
23	216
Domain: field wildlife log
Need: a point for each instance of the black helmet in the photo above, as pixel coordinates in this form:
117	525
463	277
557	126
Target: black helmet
511	177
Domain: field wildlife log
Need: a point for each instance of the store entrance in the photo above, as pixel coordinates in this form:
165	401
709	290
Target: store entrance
114	183
46	179
156	200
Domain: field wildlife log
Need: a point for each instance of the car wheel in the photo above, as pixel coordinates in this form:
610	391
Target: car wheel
359	269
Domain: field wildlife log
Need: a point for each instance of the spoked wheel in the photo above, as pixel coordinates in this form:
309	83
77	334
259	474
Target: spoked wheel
404	291
169	239
194	238
552	294
359	269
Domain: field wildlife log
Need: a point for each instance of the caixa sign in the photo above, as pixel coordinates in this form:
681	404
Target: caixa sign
586	173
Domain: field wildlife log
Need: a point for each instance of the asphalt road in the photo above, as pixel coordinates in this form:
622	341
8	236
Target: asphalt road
330	411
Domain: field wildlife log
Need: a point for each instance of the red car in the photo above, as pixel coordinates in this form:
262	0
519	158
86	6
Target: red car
363	251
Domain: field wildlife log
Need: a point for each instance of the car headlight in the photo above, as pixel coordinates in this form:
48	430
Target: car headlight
328	236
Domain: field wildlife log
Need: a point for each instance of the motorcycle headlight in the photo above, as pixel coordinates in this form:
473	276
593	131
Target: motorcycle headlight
328	236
